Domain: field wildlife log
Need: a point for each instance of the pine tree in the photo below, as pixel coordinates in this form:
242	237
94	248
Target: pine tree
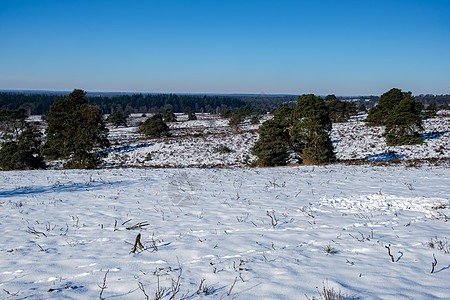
311	130
154	127
74	129
303	130
403	123
169	116
23	153
400	114
274	143
118	118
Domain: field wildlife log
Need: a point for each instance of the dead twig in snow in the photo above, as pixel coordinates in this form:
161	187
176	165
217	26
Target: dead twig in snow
389	252
126	221
273	218
34	231
176	285
138	225
103	286
433	264
141	287
232	286
11	294
137	243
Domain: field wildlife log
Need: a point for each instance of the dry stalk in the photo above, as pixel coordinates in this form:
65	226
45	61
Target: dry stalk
141	287
11	294
103	286
389	252
138	225
273	218
137	243
34	231
232	286
176	285
433	264
200	287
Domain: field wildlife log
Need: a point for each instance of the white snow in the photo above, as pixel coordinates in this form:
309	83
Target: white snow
276	233
240	233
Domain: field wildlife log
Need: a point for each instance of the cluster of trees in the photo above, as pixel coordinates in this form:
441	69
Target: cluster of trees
340	111
39	104
74	130
33	104
400	114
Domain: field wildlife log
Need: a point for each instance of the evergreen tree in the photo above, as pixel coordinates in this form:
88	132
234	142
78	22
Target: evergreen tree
23	153
303	130
430	111
386	104
118	118
154	127
169	116
74	129
190	113
339	111
401	115
403	123
311	130
275	142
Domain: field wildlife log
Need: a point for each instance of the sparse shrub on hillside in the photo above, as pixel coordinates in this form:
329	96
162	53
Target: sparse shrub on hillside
328	293
190	113
154	127
222	149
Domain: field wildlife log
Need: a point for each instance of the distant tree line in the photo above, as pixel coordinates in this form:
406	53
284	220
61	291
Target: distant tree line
433	99
39	104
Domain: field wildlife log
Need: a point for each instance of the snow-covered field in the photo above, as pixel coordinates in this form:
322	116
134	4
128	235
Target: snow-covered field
270	233
195	143
372	232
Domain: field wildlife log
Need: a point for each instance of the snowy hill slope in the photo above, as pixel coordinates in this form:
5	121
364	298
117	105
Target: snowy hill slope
193	143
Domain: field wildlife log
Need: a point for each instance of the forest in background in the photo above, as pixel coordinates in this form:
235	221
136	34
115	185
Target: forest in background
38	103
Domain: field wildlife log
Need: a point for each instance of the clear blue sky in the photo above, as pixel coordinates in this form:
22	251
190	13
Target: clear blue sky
342	47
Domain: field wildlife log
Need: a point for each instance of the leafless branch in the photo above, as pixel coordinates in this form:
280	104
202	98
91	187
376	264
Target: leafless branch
137	243
389	253
433	264
141	287
103	286
138	225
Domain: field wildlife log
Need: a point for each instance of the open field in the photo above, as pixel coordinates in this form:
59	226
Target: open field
195	143
273	233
